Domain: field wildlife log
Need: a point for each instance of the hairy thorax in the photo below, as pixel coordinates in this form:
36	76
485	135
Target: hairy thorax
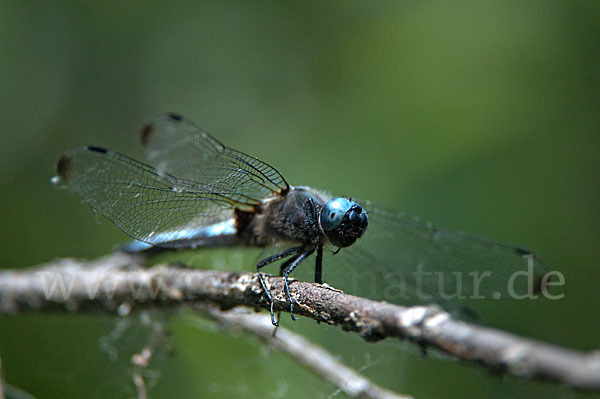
293	217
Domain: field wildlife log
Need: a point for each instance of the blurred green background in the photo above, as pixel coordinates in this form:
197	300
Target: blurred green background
479	116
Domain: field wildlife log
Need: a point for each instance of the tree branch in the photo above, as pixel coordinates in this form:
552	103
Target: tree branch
310	355
117	282
1	383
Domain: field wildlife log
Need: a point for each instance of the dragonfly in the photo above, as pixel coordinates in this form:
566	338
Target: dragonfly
199	193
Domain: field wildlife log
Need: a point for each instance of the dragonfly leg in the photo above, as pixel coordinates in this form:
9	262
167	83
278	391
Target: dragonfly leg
284	265
261	278
319	265
314	212
286	273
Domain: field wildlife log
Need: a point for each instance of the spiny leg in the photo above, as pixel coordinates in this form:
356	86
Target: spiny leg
319	265
286	273
261	279
312	209
281	269
284	265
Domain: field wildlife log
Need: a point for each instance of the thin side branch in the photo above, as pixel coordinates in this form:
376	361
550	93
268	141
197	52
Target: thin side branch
116	282
1	384
315	358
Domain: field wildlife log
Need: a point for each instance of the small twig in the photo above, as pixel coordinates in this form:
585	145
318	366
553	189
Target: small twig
9	391
140	361
116	281
156	345
315	358
140	385
1	381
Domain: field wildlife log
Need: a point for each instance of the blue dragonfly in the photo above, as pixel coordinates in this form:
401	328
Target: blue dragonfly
198	193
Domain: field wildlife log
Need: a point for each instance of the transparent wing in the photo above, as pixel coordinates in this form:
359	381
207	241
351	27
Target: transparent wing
147	204
175	145
400	259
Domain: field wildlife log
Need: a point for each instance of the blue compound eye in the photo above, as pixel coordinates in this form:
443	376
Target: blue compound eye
333	213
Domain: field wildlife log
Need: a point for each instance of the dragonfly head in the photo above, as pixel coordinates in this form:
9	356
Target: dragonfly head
343	221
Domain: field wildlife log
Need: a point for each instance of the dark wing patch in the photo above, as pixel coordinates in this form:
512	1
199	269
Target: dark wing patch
63	167
97	149
175	117
147	130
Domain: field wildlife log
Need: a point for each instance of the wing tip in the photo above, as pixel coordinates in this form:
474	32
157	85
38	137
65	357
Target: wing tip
146	133
523	251
174	116
97	149
540	277
63	168
149	128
